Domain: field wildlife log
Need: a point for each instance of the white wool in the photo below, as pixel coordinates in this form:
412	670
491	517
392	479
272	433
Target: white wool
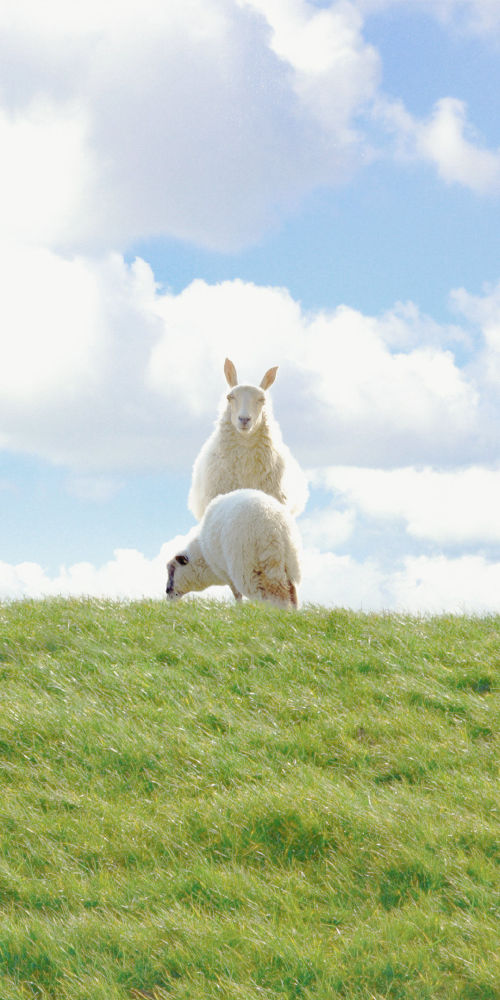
246	540
251	455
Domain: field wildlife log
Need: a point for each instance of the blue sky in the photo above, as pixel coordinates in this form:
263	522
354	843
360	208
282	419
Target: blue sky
313	185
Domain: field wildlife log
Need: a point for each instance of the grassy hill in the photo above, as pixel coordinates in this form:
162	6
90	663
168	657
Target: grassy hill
204	801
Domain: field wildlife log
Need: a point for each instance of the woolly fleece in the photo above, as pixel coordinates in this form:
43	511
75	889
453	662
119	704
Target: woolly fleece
229	461
246	540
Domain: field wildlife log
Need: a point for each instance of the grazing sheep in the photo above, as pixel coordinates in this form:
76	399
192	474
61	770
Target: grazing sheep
246	540
246	451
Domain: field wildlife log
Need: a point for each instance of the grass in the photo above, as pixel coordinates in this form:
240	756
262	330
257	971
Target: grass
205	801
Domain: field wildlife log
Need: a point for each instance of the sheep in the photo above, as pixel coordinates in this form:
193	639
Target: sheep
246	450
246	540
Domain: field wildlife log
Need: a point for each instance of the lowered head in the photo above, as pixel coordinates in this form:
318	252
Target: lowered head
177	586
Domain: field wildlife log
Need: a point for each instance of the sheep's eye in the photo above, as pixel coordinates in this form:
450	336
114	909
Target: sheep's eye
230	397
182	560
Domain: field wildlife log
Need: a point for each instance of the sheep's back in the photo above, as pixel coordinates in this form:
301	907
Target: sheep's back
245	529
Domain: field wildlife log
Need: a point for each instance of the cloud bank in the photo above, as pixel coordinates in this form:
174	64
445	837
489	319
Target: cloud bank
422	585
453	508
203	120
104	372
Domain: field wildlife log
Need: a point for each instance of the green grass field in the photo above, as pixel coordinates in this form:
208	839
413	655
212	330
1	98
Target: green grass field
208	801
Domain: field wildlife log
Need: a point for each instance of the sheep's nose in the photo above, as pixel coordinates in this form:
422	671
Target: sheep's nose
244	421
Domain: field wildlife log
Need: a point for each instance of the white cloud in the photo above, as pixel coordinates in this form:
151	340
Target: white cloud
447	140
477	17
459	507
341	581
435	585
418	584
104	372
459	159
204	120
51	329
192	119
326	529
45	170
423	585
401	395
483	311
257	324
75	338
129	575
343	393
481	16
335	72
469	584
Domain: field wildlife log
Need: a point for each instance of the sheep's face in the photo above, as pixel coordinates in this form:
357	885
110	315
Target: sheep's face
246	404
181	577
187	571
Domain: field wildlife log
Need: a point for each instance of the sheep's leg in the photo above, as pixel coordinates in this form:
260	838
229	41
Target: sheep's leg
293	594
236	592
274	591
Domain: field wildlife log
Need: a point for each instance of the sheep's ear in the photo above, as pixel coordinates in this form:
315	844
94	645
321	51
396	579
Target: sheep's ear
269	378
230	373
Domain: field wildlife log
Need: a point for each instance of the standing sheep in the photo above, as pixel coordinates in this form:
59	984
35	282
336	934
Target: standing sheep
246	450
246	540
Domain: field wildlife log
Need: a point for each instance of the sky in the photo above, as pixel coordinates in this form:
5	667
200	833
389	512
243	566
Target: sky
313	185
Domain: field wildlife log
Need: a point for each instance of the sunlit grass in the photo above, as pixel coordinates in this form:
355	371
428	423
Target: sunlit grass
208	801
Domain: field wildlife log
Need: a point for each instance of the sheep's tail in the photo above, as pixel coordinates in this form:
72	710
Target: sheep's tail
292	562
272	590
276	580
294	600
274	587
